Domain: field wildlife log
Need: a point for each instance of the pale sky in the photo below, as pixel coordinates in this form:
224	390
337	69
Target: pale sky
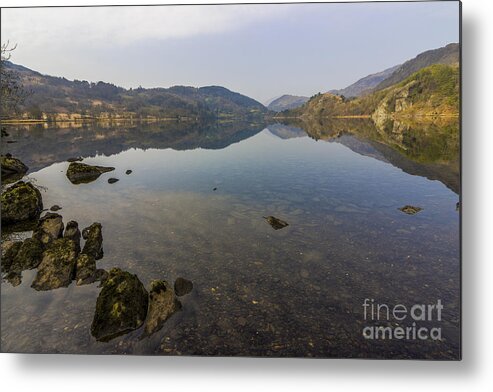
262	51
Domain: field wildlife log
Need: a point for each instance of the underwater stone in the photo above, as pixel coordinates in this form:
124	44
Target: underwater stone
183	286
410	210
162	305
276	223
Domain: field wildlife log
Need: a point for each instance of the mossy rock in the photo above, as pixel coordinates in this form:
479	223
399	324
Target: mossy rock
81	173
163	304
50	228
12	167
21	202
94	240
121	306
57	268
29	255
85	270
9	251
72	232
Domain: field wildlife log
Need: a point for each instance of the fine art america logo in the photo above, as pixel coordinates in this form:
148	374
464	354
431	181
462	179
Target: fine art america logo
402	322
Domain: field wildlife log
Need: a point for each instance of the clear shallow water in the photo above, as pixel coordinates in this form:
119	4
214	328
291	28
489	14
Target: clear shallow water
292	292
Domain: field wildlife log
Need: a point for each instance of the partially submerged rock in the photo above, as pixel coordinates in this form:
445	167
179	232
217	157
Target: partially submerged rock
29	255
410	210
55	208
121	306
94	241
14	278
128	172
57	266
183	286
50	228
85	270
81	173
72	232
162	305
12	167
9	251
21	202
276	223
112	180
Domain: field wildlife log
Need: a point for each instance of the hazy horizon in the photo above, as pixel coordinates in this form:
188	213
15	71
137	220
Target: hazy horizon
262	51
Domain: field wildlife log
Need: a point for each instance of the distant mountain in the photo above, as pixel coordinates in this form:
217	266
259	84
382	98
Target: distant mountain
448	55
57	98
286	102
366	84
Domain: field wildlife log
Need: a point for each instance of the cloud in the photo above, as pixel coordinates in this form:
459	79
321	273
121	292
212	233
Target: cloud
101	26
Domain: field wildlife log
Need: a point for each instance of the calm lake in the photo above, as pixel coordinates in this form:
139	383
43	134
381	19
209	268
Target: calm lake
193	207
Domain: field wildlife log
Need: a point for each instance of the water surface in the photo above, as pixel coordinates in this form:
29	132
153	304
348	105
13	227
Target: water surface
257	291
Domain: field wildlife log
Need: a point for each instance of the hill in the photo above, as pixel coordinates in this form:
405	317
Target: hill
286	102
56	98
432	91
448	55
366	84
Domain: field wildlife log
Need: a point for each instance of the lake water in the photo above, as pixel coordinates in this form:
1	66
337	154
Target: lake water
257	291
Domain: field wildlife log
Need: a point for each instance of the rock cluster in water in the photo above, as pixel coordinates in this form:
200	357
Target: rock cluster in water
55	250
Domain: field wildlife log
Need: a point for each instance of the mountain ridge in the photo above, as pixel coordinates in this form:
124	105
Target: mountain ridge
57	98
365	84
286	102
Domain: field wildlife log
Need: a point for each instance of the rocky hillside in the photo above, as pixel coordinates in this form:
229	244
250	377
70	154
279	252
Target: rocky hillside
432	91
366	84
448	55
56	98
287	102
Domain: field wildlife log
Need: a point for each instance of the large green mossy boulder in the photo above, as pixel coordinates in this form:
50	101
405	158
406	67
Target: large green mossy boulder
21	202
121	306
81	173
